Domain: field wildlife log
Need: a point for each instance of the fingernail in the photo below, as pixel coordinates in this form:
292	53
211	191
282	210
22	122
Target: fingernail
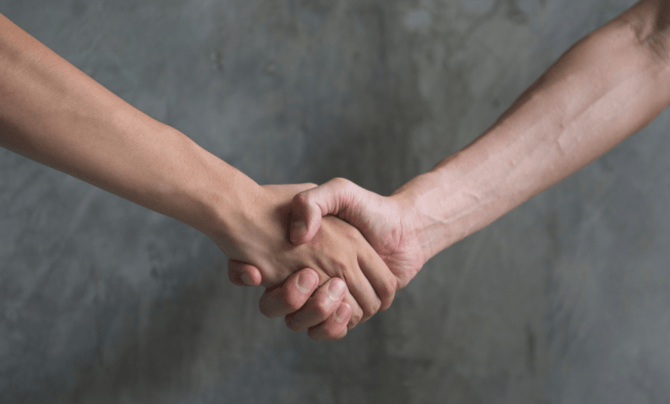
336	289
245	279
299	228
341	312
306	282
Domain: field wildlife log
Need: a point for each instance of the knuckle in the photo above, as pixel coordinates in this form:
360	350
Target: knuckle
388	289
356	317
302	198
341	182
322	310
334	268
339	267
388	302
374	308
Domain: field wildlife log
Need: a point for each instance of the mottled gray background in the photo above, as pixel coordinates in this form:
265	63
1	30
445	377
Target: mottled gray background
564	300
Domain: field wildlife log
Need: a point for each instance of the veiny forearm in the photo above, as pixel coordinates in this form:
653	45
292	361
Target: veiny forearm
55	114
606	87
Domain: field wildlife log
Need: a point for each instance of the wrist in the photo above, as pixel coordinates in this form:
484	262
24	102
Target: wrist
446	204
231	203
421	220
212	195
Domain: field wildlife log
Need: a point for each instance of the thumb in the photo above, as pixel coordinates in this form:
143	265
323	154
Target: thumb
307	208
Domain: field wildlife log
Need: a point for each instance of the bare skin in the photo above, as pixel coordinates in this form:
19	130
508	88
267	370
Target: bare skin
55	114
606	87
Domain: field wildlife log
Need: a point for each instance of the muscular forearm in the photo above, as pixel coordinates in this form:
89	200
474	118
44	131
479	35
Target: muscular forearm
54	114
606	87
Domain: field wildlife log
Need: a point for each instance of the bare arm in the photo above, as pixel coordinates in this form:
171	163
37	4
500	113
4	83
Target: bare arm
606	87
603	89
55	114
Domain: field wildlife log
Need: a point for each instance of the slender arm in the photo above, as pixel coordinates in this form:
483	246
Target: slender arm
53	113
606	87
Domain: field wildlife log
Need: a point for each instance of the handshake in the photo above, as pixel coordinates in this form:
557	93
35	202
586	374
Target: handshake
336	271
329	273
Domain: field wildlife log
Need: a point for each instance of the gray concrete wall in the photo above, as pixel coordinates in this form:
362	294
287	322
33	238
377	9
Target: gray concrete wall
564	300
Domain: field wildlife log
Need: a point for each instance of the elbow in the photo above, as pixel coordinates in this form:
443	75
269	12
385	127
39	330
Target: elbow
649	22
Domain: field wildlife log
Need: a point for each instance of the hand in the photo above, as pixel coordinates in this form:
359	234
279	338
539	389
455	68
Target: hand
324	317
388	223
259	236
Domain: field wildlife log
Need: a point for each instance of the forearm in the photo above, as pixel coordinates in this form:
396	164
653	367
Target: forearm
55	114
606	87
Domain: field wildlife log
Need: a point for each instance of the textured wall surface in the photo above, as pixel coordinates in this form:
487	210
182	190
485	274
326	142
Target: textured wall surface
566	299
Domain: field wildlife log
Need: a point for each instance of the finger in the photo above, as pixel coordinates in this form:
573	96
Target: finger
358	284
307	208
289	296
243	274
319	307
293	187
305	219
308	185
364	293
334	328
379	275
357	311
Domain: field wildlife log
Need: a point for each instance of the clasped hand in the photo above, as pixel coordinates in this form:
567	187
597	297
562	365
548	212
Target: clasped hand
375	251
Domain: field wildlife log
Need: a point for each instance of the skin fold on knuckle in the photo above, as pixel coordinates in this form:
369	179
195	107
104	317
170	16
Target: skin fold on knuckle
339	269
302	200
374	308
355	318
377	306
370	310
385	290
388	294
322	309
341	182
